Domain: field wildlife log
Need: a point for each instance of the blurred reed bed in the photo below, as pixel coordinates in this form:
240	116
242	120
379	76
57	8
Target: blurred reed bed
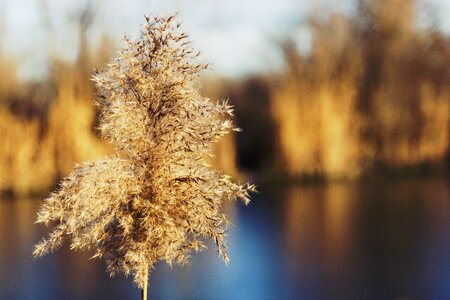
371	97
314	105
46	130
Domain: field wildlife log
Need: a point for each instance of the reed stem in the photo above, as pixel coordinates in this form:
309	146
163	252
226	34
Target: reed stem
144	289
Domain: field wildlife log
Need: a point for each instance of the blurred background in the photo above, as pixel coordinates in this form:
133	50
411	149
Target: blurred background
345	111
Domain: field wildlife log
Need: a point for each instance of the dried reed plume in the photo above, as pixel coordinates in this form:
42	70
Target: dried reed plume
158	198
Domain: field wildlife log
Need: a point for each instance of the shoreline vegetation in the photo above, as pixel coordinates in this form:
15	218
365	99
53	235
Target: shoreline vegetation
370	100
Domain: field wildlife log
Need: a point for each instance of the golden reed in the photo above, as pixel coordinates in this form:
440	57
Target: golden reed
158	197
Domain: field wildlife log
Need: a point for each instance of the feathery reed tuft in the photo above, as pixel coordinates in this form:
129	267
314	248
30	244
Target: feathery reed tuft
158	198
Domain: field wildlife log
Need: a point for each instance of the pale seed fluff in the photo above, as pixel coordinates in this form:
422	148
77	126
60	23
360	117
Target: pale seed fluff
158	198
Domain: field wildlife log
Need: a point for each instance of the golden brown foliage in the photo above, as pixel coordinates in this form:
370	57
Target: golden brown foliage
372	95
39	146
47	125
158	198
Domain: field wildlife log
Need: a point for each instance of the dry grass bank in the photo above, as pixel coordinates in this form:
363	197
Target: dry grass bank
372	95
41	142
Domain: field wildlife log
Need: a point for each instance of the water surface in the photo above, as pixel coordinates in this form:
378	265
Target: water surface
387	240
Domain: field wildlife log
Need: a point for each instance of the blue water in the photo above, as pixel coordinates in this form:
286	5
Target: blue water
339	241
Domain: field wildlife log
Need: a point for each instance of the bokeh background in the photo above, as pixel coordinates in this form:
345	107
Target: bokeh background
345	111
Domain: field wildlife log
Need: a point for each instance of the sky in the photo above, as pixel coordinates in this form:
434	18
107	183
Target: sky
236	36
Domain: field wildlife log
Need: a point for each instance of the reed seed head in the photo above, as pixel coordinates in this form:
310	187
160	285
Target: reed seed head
158	198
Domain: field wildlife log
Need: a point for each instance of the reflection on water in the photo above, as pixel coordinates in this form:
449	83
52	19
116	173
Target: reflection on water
340	241
318	226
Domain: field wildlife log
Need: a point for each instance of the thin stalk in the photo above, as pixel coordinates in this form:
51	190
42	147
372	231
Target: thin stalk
144	289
